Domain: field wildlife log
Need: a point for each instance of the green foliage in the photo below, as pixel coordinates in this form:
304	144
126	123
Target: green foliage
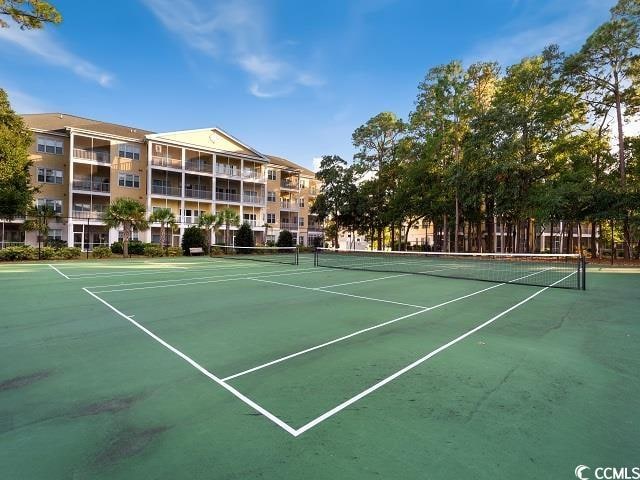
29	14
285	239
47	253
210	222
38	221
216	251
18	253
16	192
193	237
116	247
127	213
166	219
244	236
151	250
136	247
174	251
229	219
69	253
101	252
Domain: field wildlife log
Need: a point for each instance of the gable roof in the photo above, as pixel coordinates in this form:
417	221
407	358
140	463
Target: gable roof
283	162
61	121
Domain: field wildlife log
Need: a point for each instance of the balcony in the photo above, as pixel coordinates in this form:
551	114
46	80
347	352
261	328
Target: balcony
228	170
252	223
250	174
252	199
314	228
228	197
197	193
289	184
167	191
289	226
100	156
96	214
166	162
100	185
198	166
288	205
189	220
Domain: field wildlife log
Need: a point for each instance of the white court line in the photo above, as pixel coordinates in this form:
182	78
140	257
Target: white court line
365	281
317	289
421	360
286	272
368	329
345	337
58	271
200	368
195	278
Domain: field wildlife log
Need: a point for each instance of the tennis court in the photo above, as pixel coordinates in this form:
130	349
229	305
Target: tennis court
221	368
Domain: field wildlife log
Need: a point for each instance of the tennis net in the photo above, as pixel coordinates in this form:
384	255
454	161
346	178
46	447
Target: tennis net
546	270
286	255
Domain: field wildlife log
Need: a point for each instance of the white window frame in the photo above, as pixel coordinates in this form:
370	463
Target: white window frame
50	175
49	146
54	234
271	196
123	179
126	150
271	218
271	174
49	202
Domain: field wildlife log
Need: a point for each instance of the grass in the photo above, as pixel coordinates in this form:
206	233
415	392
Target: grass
87	393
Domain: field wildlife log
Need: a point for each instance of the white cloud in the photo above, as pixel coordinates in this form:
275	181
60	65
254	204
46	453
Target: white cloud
573	23
316	163
44	45
235	32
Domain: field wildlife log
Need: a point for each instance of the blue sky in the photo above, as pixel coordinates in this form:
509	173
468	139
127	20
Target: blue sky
290	78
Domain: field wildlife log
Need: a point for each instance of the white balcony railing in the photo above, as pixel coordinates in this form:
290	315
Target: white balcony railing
251	174
100	156
228	170
289	226
92	214
289	184
254	200
198	166
228	197
91	184
196	193
166	162
168	191
288	205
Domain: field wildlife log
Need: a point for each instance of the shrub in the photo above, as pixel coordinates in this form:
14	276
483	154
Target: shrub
136	247
216	250
101	252
193	237
285	239
69	252
174	251
116	247
244	236
151	250
57	244
270	243
18	253
47	253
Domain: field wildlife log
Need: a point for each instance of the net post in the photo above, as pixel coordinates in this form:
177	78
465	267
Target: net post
315	257
297	256
583	261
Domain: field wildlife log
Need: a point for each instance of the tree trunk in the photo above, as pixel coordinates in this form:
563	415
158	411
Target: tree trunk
445	234
126	229
594	250
551	238
457	225
580	238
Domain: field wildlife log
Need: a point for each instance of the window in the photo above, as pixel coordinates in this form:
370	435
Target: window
128	180
49	145
56	205
271	196
301	222
301	241
271	174
249	217
49	175
301	202
55	234
134	235
129	151
303	183
271	218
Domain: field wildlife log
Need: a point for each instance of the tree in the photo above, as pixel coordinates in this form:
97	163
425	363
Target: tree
16	192
210	222
229	218
166	218
128	214
193	237
244	236
285	239
29	14
607	68
41	217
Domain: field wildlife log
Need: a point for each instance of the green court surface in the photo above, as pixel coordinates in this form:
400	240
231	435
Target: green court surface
234	369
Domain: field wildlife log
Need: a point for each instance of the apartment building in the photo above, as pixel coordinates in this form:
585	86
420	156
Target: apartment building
80	166
291	190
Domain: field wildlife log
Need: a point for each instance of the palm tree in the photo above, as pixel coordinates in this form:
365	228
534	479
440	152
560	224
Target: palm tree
42	214
229	218
128	214
208	222
166	218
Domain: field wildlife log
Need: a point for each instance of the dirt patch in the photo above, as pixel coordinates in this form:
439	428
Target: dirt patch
112	405
128	443
24	380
